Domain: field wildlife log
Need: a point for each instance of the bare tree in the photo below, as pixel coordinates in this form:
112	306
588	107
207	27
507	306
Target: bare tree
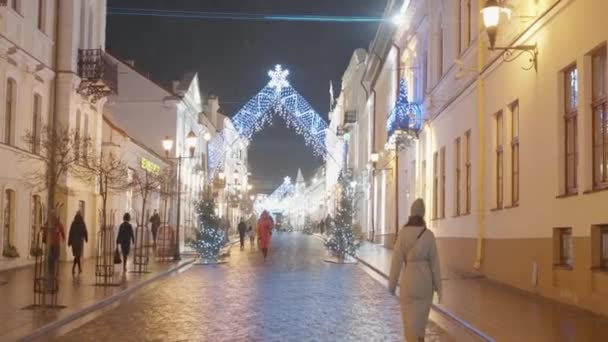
108	171
145	183
62	151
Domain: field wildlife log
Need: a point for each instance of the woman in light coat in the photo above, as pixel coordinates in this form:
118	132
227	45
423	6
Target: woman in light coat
416	252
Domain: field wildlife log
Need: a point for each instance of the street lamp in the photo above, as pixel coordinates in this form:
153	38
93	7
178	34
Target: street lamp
207	136
191	140
491	13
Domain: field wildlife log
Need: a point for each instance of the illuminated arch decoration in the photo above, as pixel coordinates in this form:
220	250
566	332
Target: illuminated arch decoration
278	200
277	97
406	118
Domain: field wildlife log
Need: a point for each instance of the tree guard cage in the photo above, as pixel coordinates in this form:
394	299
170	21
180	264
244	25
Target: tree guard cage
106	245
165	243
142	244
46	268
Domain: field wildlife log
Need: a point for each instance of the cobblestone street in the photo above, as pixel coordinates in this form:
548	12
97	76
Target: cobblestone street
294	296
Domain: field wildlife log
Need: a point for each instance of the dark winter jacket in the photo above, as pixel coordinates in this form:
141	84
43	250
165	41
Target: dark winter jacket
78	235
125	235
242	228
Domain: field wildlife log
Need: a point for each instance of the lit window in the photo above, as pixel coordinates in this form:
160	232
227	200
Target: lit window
563	248
571	124
600	118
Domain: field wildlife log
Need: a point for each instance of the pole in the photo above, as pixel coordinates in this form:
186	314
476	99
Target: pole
396	188
177	257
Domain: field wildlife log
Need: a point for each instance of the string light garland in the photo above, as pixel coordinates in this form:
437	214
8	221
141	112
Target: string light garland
277	97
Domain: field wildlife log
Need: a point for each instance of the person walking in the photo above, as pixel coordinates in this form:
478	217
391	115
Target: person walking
416	252
155	224
76	239
124	239
242	228
251	233
265	226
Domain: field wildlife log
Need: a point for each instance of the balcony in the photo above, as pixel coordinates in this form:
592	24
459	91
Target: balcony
98	73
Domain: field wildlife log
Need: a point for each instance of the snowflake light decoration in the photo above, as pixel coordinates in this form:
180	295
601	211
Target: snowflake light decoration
278	78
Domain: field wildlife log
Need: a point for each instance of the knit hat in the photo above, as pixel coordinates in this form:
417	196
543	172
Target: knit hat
417	208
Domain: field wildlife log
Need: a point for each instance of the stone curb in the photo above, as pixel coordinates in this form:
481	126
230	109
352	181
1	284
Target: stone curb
82	314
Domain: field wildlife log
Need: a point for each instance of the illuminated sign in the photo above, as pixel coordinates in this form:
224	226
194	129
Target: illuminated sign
149	166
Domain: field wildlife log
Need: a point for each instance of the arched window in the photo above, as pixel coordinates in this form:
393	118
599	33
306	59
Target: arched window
85	135
41	15
36	123
16	5
83	26
91	31
36	221
10	109
77	136
8	222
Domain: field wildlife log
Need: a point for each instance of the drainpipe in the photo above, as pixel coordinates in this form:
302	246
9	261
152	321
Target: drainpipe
373	121
481	229
398	57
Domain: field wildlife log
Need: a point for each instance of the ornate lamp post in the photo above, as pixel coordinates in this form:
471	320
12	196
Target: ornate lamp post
191	140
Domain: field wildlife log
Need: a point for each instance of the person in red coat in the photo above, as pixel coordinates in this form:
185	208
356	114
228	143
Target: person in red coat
265	226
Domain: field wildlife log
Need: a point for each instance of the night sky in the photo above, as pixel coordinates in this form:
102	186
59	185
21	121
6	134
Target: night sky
232	58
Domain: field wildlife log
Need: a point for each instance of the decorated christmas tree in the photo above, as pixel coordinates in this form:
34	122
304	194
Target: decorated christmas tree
341	240
308	225
209	236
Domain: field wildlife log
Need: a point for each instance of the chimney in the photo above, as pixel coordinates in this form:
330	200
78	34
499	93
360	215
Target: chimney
175	85
131	62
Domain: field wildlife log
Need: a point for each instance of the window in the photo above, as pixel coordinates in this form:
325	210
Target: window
457	176
562	247
36	123
77	137
9	113
9	218
41	15
442	198
16	5
81	208
469	23
467	177
571	124
435	185
499	160
604	247
514	153
129	204
86	141
460	27
36	220
600	118
423	179
440	50
425	73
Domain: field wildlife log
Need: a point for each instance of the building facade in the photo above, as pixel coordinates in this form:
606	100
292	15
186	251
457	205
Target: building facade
511	157
42	85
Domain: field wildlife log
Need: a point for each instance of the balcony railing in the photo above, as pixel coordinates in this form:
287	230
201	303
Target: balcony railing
98	73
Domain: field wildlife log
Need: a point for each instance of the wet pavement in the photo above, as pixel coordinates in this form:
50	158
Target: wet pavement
293	296
501	312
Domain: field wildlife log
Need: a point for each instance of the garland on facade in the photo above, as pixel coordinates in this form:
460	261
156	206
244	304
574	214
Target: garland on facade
209	238
341	239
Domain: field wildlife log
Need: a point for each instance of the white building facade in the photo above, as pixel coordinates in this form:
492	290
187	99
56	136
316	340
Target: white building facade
511	160
41	85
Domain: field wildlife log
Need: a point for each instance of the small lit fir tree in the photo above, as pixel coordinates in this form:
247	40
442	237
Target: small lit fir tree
209	235
341	240
308	226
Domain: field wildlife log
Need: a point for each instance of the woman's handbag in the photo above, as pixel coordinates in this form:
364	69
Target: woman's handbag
117	259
